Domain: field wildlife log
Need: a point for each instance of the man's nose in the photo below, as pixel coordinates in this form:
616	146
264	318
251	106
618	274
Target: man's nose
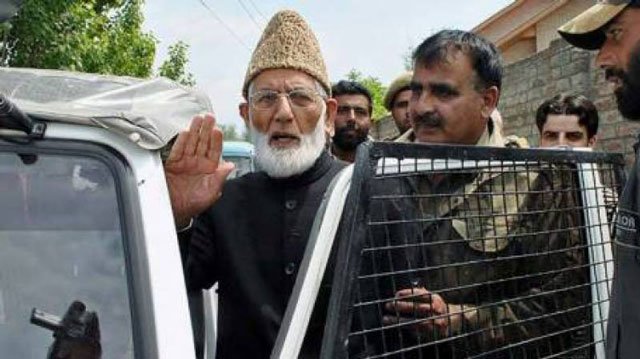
351	115
352	121
284	112
422	105
562	140
606	57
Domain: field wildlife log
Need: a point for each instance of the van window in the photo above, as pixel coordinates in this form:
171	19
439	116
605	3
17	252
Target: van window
61	241
243	165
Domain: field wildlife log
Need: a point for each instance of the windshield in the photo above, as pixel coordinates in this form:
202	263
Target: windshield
61	240
243	165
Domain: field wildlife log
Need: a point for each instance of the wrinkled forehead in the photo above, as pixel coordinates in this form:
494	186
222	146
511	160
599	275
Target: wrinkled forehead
455	71
282	80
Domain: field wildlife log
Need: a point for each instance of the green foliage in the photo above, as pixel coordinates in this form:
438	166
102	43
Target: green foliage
174	67
376	88
407	58
96	36
230	133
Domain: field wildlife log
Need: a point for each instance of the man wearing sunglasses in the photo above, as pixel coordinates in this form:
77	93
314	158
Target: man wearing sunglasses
250	237
613	28
353	119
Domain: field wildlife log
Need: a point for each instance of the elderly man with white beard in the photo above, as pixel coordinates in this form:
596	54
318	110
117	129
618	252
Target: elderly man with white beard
250	236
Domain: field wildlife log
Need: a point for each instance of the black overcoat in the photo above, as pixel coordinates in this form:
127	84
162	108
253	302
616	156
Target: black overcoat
624	311
251	242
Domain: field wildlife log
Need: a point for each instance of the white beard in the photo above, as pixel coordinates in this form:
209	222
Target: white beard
287	162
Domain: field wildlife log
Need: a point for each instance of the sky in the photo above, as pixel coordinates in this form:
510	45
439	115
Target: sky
371	36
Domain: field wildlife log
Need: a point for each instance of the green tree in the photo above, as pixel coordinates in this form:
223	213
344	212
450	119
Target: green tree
376	88
230	133
407	58
96	36
174	67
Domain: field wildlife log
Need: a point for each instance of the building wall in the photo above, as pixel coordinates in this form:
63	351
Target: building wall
562	69
546	29
519	51
504	26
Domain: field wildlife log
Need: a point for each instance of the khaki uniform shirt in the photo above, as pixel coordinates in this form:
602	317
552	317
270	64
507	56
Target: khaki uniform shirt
502	242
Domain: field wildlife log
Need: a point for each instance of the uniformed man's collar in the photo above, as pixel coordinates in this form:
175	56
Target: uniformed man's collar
491	138
406	137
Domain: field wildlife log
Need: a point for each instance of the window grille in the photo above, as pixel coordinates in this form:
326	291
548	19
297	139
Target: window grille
516	242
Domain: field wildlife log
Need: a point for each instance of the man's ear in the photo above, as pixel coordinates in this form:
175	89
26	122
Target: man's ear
592	141
490	98
243	108
332	108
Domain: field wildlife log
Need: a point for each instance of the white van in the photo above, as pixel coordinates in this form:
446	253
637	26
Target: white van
85	213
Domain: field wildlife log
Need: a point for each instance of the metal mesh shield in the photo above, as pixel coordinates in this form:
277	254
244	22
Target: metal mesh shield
472	252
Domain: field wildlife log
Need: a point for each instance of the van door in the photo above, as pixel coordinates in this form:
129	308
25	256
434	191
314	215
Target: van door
65	237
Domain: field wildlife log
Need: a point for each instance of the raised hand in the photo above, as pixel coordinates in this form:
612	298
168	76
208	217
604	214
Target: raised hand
194	171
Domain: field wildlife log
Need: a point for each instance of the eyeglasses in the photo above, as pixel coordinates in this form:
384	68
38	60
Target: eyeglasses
345	110
300	98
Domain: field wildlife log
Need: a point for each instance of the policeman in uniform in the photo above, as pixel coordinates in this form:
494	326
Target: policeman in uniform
478	256
396	101
613	28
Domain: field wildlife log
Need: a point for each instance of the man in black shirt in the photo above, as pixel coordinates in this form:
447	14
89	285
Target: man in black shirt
613	28
353	119
250	236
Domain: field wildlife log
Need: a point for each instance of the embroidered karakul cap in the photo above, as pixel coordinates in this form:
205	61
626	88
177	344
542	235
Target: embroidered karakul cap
586	30
287	43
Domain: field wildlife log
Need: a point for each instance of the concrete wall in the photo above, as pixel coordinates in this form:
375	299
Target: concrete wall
519	51
562	69
546	29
